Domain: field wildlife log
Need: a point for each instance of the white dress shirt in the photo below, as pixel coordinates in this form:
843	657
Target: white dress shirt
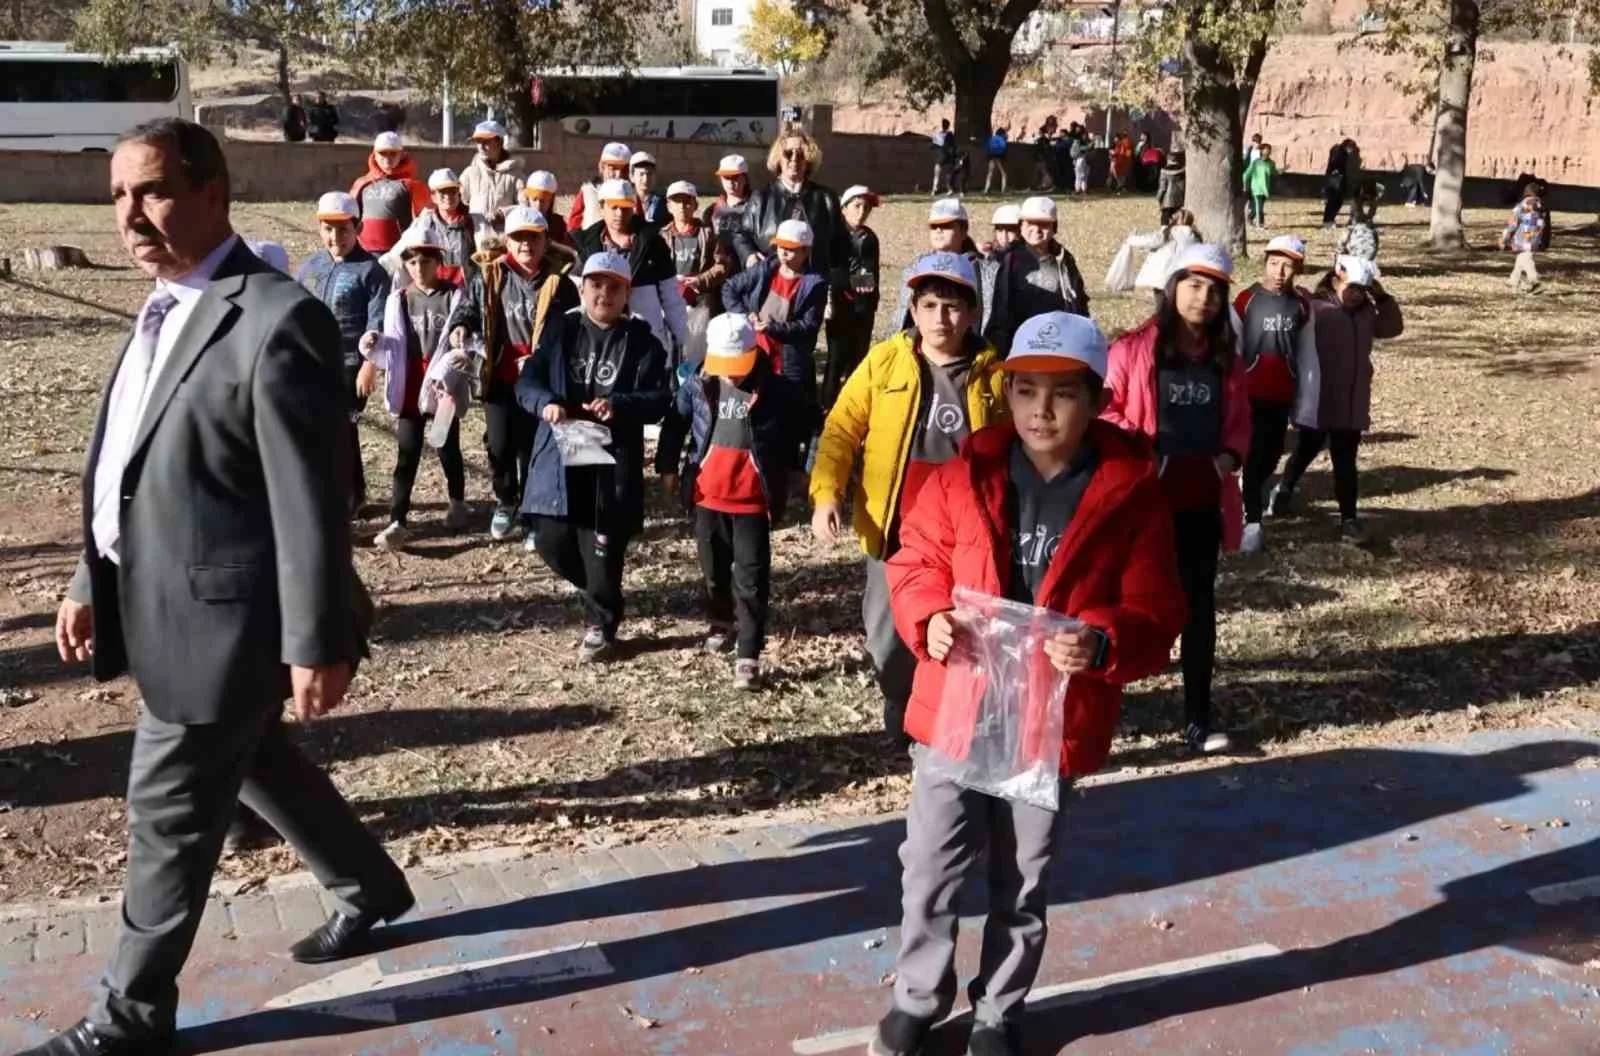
113	459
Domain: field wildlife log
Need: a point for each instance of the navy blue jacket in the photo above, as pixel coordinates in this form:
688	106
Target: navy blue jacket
782	416
747	291
355	289
639	398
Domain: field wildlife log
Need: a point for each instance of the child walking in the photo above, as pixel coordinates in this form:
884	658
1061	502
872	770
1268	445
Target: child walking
413	353
1333	407
1524	236
1271	314
744	419
448	224
595	363
784	303
1056	510
1179	381
1258	177
856	310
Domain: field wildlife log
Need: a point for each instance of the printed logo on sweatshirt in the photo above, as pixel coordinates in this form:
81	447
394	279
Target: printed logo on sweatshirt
736	408
946	417
1034	547
604	372
1189	394
1278	324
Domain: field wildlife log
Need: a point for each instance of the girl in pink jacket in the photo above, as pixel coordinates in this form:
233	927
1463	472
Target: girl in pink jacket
1178	380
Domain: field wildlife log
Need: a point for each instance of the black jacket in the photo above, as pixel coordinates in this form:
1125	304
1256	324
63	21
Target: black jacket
862	279
1016	299
322	122
649	256
782	416
817	206
294	123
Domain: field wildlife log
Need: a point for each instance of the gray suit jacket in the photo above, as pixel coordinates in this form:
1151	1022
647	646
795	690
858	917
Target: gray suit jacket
235	525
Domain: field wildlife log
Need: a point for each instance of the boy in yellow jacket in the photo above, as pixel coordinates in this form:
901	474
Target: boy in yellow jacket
906	409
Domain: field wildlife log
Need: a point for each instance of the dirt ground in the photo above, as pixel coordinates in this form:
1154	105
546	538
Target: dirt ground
471	726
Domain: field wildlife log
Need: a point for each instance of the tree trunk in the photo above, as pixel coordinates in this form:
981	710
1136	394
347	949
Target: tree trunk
515	69
1213	139
975	96
1446	230
283	70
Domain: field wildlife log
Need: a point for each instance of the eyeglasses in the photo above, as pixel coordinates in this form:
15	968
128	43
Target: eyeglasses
795	155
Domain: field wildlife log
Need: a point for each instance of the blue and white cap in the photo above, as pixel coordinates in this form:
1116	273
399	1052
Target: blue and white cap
525	219
952	266
608	263
489	130
1057	343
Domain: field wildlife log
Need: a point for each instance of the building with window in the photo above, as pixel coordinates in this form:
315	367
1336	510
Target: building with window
718	25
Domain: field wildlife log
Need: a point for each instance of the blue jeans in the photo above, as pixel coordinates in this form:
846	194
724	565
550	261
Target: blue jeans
1258	209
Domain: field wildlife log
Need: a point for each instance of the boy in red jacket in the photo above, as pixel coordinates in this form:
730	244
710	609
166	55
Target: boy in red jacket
1064	512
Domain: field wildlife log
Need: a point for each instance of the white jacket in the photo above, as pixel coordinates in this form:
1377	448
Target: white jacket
488	189
662	305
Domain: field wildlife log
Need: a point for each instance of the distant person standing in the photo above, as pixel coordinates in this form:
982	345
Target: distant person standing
944	156
1337	179
999	144
492	182
322	120
1172	187
1121	161
1147	160
1258	177
294	121
1416	183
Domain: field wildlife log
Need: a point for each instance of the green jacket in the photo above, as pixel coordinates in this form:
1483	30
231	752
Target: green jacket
1258	177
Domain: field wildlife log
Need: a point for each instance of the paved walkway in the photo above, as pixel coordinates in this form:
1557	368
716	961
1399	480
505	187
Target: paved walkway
1422	901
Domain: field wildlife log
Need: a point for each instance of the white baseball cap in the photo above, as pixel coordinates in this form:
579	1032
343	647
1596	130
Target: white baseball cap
413	239
1057	343
1038	208
523	218
271	253
953	266
336	206
858	190
608	263
1007	216
489	130
619	192
733	165
1357	271
617	153
946	211
387	143
682	189
1203	258
642	157
793	234
731	349
1292	246
443	179
541	182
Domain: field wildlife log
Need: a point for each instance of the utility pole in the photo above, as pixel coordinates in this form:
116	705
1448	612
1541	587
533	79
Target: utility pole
448	106
1111	86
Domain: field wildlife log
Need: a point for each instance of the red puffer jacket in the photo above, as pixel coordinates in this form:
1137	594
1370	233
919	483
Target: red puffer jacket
1115	570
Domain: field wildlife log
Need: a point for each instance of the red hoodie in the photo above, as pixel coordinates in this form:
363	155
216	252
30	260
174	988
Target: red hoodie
1115	570
380	233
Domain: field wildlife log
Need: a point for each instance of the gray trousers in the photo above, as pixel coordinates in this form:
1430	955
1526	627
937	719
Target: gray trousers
947	828
891	659
183	784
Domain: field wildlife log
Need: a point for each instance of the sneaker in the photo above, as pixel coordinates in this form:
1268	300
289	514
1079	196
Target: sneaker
719	638
989	1040
457	516
1350	531
1279	503
505	519
595	646
392	537
530	541
1205	740
1251	543
899	1034
746	674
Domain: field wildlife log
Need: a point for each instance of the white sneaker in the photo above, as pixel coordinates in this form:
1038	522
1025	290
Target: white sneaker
457	516
392	537
1251	543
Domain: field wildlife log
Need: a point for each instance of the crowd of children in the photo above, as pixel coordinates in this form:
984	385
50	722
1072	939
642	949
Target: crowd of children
993	441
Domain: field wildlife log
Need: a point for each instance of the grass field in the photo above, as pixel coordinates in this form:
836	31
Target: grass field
1474	606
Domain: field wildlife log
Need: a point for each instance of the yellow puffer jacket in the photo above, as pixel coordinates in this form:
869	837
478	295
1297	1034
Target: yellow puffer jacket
876	414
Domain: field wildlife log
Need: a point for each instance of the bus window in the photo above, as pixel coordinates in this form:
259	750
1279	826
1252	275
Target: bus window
80	81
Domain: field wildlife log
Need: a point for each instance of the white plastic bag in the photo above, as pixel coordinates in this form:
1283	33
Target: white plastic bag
1002	712
583	443
1120	276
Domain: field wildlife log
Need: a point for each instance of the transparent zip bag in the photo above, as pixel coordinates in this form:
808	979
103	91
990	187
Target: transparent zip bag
583	443
1002	711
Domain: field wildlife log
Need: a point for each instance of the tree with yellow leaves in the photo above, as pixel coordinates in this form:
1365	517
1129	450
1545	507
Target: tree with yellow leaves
779	36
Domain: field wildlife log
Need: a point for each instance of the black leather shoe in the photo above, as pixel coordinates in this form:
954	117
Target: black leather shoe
84	1040
341	936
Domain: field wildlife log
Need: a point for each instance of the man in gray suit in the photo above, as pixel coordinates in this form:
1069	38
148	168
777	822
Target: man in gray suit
216	569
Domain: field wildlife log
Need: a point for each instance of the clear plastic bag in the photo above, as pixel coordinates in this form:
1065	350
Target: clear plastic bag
583	443
1002	713
694	353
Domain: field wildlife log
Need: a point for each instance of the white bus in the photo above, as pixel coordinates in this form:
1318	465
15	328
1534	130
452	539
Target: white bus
54	98
707	104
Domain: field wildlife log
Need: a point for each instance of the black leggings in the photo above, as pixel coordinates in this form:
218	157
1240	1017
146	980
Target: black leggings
508	434
1332	202
408	435
1269	426
1199	538
736	560
849	338
358	472
1343	444
591	561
